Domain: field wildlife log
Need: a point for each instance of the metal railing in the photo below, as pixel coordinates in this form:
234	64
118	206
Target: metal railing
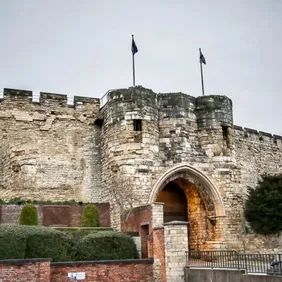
250	262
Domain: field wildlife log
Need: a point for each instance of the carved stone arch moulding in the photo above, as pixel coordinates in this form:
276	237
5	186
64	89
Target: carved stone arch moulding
205	186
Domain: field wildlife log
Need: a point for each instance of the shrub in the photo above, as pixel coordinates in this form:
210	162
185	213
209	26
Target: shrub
90	217
19	241
44	242
263	209
13	239
106	245
29	215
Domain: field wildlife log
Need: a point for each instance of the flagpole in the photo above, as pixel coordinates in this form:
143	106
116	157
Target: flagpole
202	78
133	64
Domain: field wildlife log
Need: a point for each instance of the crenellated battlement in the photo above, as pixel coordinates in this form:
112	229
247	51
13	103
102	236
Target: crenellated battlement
17	94
46	98
53	98
256	136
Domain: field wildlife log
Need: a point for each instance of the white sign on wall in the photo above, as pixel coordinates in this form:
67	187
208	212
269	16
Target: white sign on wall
76	276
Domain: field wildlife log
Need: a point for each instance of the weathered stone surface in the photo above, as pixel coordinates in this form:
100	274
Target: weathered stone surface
47	150
176	246
53	151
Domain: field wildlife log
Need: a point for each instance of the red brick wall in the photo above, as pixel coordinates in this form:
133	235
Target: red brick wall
138	216
77	211
152	240
110	271
140	221
39	270
31	270
11	214
159	251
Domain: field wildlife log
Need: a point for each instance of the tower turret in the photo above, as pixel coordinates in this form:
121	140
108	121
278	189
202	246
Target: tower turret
130	145
215	121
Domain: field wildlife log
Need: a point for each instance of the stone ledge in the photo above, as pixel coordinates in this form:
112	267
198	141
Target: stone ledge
175	222
159	203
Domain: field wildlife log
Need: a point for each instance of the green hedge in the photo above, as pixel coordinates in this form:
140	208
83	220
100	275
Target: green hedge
106	245
23	241
44	242
18	242
13	239
80	232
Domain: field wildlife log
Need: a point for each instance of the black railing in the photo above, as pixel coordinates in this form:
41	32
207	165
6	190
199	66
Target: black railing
251	263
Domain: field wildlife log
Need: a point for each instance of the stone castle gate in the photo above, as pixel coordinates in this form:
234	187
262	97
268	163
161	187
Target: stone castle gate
189	195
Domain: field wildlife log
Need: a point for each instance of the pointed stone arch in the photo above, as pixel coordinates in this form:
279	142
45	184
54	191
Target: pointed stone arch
205	186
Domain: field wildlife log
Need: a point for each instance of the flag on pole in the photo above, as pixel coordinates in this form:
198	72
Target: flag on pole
202	58
202	61
134	48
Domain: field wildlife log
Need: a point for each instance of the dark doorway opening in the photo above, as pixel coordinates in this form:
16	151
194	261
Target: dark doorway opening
175	202
144	240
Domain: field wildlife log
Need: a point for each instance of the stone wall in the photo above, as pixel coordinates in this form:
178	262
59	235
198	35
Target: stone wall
176	244
49	150
257	153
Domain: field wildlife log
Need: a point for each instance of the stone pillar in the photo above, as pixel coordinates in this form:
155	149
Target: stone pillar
176	244
158	241
157	215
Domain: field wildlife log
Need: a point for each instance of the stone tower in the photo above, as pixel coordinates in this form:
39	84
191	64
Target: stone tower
145	136
130	147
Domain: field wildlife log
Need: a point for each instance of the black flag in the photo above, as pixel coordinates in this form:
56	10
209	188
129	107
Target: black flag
202	61
202	58
134	48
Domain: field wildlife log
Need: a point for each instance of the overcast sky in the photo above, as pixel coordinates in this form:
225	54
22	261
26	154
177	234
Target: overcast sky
84	48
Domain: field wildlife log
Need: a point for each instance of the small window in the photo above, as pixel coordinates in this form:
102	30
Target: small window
137	125
226	136
224	132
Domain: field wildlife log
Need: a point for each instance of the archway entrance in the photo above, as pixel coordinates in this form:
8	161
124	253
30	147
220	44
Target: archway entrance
189	195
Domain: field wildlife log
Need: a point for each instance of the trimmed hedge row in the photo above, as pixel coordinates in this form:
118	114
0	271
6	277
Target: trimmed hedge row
80	232
106	245
19	242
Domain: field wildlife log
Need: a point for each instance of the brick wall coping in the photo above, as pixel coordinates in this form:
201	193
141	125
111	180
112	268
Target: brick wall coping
157	228
175	222
122	261
51	204
23	261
